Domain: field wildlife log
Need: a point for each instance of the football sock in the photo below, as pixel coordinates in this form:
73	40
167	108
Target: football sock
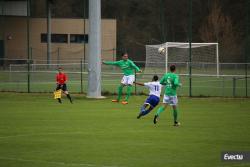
119	92
68	96
160	110
59	100
129	89
175	114
144	111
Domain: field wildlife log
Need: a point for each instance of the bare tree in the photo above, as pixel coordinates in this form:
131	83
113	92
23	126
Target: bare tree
219	28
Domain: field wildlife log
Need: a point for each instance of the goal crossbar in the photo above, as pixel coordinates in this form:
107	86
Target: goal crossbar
182	45
186	45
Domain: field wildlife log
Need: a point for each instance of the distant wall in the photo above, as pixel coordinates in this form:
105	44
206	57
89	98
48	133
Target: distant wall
15	36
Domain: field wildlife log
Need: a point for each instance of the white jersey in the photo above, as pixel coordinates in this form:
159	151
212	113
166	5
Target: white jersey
154	88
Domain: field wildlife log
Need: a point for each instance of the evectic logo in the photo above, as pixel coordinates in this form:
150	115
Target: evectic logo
235	156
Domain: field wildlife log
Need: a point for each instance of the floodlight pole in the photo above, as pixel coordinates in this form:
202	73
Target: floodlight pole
94	58
48	31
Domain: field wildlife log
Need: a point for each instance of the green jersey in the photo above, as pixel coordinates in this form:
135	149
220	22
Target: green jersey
127	66
171	81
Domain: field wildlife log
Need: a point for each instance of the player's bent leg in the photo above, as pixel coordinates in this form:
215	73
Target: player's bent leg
145	109
129	90
159	111
120	87
148	110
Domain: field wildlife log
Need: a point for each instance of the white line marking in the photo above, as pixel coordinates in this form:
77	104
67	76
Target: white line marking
53	162
41	134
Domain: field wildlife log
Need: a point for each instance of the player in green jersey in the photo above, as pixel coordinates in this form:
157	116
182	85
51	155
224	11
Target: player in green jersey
171	82
127	66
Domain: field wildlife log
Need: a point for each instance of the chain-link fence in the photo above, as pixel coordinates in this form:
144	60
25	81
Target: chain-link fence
20	76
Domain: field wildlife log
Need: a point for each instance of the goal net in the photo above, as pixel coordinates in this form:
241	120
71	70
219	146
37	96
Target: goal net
204	59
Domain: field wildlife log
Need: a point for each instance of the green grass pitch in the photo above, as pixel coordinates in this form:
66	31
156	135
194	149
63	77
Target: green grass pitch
36	131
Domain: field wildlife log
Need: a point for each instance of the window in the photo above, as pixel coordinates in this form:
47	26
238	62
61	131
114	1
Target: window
44	38
79	38
55	38
59	38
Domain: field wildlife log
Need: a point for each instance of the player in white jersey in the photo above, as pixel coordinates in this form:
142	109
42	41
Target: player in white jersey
154	96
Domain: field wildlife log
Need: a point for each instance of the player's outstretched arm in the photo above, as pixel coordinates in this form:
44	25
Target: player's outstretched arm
137	83
136	67
110	62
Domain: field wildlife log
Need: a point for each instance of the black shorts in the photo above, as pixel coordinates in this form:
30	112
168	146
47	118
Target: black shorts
62	86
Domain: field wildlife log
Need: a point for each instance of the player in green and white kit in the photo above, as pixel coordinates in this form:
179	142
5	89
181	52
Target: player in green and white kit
171	82
127	66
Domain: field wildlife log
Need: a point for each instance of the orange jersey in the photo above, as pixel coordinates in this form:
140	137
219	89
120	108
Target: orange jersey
61	78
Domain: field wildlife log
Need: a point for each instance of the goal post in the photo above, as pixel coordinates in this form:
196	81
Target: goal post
217	60
205	57
166	55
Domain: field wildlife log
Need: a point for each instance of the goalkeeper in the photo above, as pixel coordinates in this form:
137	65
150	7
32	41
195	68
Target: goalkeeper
171	82
128	67
61	79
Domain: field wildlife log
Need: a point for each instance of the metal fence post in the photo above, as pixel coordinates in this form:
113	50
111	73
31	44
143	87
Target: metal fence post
84	32
113	54
187	67
48	32
234	86
190	47
247	45
31	54
58	56
223	86
81	77
28	79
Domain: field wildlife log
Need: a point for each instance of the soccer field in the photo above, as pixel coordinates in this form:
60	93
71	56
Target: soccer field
36	131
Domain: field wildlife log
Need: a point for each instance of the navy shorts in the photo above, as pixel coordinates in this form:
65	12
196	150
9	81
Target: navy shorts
61	86
152	100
